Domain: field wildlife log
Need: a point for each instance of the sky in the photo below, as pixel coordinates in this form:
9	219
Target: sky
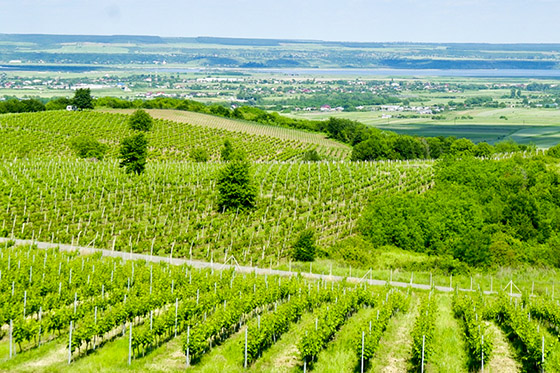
489	21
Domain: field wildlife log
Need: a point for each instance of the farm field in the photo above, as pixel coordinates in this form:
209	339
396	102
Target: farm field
62	310
525	126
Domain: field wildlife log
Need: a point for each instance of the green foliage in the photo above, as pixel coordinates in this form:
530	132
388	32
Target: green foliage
423	332
140	120
507	146
311	156
21	106
462	147
482	212
112	102
328	321
378	146
483	149
516	323
199	155
47	134
88	147
60	103
477	339
554	151
304	248
373	329
355	251
227	151
82	99
235	188
133	152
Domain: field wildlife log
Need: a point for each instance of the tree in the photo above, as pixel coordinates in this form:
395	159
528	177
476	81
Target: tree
199	155
376	147
483	149
408	147
304	248
140	121
462	147
227	151
82	99
88	147
235	188
133	153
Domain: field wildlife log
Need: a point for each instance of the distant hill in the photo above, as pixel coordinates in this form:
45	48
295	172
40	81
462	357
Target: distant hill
205	51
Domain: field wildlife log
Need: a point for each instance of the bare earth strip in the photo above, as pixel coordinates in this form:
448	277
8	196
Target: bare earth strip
503	360
211	121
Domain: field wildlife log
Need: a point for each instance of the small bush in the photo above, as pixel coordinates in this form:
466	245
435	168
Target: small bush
304	248
88	147
311	156
199	155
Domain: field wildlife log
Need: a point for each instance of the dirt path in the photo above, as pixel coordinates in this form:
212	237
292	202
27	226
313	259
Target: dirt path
53	355
218	266
503	359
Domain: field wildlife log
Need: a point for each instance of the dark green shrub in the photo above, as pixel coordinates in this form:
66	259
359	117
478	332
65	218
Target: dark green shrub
304	248
133	153
235	188
88	147
199	155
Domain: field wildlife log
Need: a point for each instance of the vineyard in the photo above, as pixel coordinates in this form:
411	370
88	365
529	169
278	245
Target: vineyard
172	208
47	134
246	127
61	309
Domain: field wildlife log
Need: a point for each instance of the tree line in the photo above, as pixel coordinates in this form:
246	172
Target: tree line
485	213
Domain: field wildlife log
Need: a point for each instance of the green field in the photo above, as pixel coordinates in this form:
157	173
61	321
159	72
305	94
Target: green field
540	127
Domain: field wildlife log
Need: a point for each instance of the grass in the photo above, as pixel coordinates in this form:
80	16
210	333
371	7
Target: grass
396	344
283	356
524	125
392	264
450	355
340	354
36	359
228	357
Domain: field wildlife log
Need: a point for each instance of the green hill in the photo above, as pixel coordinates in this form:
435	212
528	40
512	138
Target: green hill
46	134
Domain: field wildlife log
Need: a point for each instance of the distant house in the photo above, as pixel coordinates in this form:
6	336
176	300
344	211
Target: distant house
71	108
326	108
